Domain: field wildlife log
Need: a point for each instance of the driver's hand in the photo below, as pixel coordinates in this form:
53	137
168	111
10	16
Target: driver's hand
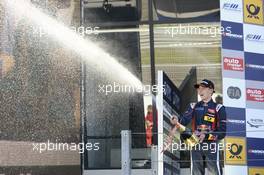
174	120
197	133
202	137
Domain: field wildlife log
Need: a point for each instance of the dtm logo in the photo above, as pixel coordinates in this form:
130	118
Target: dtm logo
231	6
256	38
255	123
253	11
234	92
235	151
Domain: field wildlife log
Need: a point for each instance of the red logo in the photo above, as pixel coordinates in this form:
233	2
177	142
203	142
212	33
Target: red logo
234	64
255	94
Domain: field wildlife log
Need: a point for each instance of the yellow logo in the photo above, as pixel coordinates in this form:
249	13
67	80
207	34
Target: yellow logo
209	119
235	153
256	171
211	137
253	11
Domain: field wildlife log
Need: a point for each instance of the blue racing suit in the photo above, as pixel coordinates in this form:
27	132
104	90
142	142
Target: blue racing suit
213	117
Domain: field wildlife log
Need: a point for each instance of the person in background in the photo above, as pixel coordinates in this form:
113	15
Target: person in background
149	125
219	99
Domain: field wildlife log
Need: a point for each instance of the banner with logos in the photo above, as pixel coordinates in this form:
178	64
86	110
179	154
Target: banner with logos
242	23
168	102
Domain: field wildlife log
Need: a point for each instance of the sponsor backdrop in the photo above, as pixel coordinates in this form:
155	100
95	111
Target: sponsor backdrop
242	24
167	103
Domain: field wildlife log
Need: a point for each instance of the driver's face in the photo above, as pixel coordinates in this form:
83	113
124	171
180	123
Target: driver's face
204	92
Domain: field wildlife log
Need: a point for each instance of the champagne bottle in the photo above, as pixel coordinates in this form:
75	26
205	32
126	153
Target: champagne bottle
188	136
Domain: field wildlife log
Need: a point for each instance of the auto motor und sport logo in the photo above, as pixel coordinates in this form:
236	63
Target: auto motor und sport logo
234	92
234	64
255	123
231	6
254	38
255	94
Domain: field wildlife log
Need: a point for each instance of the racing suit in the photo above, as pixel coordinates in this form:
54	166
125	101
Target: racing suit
211	117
